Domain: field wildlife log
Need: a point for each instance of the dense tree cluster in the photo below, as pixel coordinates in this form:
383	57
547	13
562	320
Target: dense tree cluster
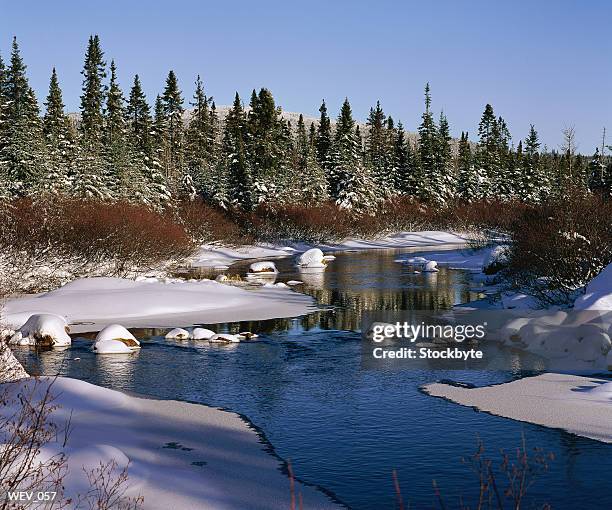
120	147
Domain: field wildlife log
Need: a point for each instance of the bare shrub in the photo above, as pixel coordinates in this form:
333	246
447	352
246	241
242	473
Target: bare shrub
560	246
205	223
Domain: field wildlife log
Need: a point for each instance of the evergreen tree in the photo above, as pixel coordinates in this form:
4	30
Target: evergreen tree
442	183
404	179
350	184
488	153
468	183
236	166
119	174
22	149
90	180
430	186
324	140
313	188
376	156
198	149
159	192
597	173
59	139
534	185
172	102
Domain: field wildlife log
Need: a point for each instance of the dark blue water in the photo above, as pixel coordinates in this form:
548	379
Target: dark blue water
345	428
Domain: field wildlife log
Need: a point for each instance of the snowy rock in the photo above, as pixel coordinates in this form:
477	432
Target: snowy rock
119	333
177	334
263	267
221	278
295	282
246	335
281	285
224	338
43	329
111	347
201	334
598	293
431	267
312	258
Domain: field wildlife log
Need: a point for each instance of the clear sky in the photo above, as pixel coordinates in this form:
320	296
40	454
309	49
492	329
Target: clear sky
542	62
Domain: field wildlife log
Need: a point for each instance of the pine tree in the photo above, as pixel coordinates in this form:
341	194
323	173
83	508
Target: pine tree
468	183
430	186
376	148
313	186
90	180
119	174
22	149
488	154
198	149
172	102
59	139
404	178
234	158
534	184
597	175
442	183
350	184
159	192
324	139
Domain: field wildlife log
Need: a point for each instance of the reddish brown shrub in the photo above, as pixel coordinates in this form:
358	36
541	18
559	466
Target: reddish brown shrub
205	223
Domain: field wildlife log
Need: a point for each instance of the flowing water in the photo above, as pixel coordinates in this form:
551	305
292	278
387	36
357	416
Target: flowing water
343	427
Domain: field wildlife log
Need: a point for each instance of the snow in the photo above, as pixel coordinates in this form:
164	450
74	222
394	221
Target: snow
10	368
579	405
598	294
312	258
222	338
263	267
111	347
211	256
177	334
496	258
165	443
118	333
201	334
153	303
44	328
430	267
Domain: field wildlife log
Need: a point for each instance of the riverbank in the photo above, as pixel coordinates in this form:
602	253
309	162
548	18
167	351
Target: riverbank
179	455
575	404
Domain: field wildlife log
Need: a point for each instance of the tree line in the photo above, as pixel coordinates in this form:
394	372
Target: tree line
123	148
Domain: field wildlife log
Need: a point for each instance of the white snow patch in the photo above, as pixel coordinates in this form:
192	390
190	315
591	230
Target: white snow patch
598	294
312	258
265	266
201	334
44	328
177	334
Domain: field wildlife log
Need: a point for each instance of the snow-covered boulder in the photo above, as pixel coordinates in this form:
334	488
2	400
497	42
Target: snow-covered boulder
312	258
177	334
295	282
246	335
111	347
598	293
431	266
118	333
224	338
202	334
265	266
43	329
221	278
496	260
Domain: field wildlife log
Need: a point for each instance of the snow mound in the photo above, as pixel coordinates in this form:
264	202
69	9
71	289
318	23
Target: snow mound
111	347
201	334
603	389
43	329
224	338
119	333
246	335
295	282
312	258
263	267
598	294
177	334
496	260
431	266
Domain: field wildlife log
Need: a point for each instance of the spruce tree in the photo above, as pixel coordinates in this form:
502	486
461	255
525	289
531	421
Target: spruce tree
313	186
172	102
404	177
324	139
488	156
59	140
22	149
430	186
198	150
534	183
376	148
240	182
159	191
442	183
350	184
468	182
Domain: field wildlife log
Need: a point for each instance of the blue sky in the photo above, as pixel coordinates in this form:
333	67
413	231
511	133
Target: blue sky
547	63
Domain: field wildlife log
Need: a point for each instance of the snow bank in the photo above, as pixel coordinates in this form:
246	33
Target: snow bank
152	303
10	368
579	405
43	329
598	294
182	456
